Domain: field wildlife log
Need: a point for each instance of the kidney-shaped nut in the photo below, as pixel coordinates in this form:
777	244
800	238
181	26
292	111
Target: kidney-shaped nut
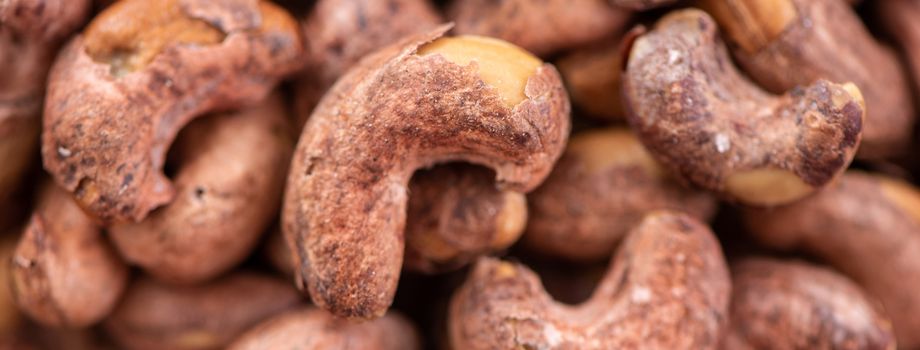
422	101
338	33
710	126
230	177
206	316
601	188
667	288
64	272
786	43
543	27
867	227
119	93
795	305
312	328
456	214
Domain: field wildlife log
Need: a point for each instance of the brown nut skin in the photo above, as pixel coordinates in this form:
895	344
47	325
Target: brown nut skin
229	183
338	33
64	272
780	304
867	227
10	317
787	43
601	188
898	19
395	112
30	32
206	316
542	28
119	93
312	328
593	77
667	288
641	5
456	214
711	127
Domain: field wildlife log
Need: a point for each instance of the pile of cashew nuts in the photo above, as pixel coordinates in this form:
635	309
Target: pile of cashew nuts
459	174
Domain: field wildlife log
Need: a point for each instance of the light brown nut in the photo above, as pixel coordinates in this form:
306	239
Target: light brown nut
338	33
207	316
593	78
64	272
542	28
786	43
601	188
899	19
867	227
642	4
30	32
231	172
422	101
711	127
456	214
119	93
795	305
667	288
312	328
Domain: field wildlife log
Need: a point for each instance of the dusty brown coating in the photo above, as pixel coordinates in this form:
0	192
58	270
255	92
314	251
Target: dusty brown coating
231	172
541	27
899	19
338	33
30	33
395	112
667	288
824	39
456	214
592	77
119	93
710	126
642	4
780	304
207	316
64	273
867	227
312	328
601	188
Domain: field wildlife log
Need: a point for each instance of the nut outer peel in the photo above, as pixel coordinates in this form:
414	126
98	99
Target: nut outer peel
393	113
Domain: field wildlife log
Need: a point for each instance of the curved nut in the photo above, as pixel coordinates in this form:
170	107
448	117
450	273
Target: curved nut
229	182
542	28
794	305
667	288
707	124
208	316
64	272
602	186
312	328
407	107
786	43
120	93
456	214
867	227
338	33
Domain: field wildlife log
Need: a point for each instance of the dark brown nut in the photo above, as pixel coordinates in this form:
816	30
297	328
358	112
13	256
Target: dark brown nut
711	127
786	43
422	101
667	288
542	28
312	328
867	227
593	77
119	93
794	305
456	214
899	19
208	316
30	32
642	4
10	317
338	33
231	172
64	272
601	188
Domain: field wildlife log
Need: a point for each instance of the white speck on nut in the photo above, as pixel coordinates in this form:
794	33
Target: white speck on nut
723	144
64	152
641	295
673	56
